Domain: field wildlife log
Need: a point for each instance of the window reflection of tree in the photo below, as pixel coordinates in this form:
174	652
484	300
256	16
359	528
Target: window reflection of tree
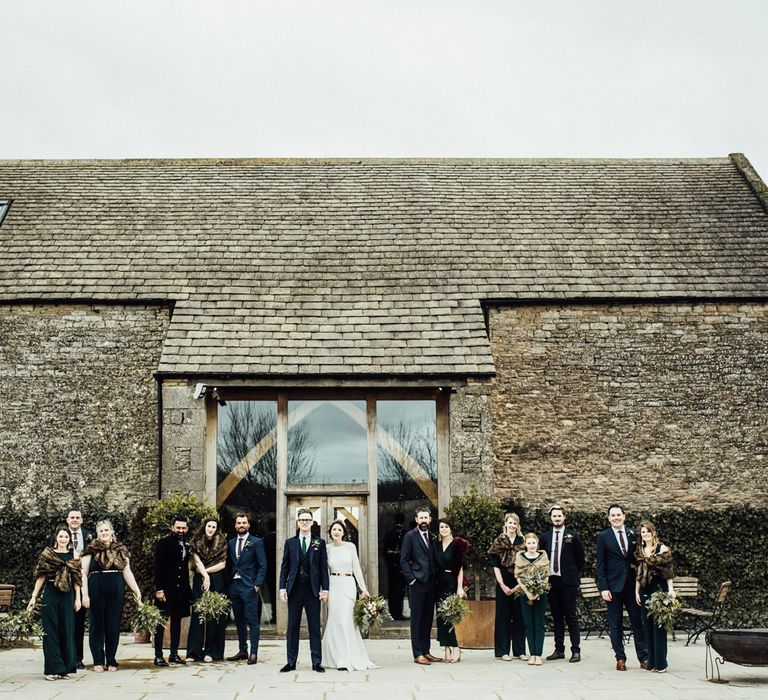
249	423
418	440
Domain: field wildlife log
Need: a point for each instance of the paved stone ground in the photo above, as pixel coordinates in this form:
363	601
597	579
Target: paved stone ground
478	677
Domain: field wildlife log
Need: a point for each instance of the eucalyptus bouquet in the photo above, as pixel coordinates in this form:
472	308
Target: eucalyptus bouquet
369	613
663	609
17	628
453	609
147	618
536	580
211	606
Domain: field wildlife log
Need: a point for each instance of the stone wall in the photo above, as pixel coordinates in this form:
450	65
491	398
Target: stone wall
651	404
78	413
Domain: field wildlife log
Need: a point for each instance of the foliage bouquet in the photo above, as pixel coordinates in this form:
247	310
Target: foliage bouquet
536	580
663	609
17	628
453	609
369	613
147	618
211	606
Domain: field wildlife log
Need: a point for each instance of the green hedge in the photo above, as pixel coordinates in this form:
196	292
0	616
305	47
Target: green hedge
714	545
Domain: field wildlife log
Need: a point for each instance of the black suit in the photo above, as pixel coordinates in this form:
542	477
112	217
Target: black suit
83	538
172	577
564	585
417	560
304	577
615	574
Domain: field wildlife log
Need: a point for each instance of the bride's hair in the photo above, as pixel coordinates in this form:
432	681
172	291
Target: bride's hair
345	532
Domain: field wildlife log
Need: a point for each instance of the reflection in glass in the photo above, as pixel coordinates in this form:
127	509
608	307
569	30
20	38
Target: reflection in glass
327	442
406	439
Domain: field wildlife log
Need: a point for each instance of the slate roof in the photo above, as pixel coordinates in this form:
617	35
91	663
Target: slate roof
372	267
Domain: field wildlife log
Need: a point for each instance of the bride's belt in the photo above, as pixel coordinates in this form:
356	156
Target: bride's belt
333	573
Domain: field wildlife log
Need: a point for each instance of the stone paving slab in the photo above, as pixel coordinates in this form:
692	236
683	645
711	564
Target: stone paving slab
478	677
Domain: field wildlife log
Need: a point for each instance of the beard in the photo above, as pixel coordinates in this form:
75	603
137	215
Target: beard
423	526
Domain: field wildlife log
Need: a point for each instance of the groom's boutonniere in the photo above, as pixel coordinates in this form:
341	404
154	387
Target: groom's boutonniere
568	538
315	544
247	544
630	532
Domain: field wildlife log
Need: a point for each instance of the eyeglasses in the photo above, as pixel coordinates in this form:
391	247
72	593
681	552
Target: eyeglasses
305	520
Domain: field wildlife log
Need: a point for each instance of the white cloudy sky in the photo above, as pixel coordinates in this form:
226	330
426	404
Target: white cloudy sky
474	78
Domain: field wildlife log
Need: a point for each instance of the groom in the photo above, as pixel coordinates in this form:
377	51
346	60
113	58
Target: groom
303	584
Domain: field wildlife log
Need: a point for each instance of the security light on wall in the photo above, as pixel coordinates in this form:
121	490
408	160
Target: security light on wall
202	390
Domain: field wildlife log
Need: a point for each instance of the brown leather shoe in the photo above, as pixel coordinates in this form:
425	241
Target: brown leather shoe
621	665
434	659
644	665
422	661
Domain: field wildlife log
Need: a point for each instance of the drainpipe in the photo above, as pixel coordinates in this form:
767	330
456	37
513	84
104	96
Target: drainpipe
159	438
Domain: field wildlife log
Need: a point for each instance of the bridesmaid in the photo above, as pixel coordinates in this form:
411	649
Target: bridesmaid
508	627
450	566
209	558
58	574
106	570
535	606
654	573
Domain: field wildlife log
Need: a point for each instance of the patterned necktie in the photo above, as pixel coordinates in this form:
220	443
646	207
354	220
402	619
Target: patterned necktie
304	546
623	543
556	556
74	540
239	546
426	541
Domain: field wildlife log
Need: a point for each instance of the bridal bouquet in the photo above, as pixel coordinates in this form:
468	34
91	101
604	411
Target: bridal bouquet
536	580
16	628
147	618
453	609
663	609
211	606
369	613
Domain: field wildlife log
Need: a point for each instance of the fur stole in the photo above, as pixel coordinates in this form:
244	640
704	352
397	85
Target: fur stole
658	564
109	556
64	574
505	550
209	553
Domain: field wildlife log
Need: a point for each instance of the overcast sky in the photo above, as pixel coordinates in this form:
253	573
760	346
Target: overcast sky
495	78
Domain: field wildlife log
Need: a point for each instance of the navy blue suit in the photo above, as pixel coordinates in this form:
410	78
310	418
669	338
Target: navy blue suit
615	574
564	588
245	575
417	560
304	578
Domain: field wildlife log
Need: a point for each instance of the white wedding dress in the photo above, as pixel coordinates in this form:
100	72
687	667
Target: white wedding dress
343	646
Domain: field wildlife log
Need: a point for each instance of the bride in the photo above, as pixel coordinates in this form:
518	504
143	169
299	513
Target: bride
343	646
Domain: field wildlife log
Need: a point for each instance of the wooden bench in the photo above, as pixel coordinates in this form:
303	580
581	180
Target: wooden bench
6	594
697	620
594	613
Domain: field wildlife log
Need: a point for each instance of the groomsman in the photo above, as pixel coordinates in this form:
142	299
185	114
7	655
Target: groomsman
172	592
246	570
418	562
80	538
566	560
616	579
304	583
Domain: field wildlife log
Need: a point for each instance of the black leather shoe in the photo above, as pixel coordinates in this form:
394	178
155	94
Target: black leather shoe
342	668
240	656
176	659
252	659
555	655
575	658
318	668
288	667
80	665
160	661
